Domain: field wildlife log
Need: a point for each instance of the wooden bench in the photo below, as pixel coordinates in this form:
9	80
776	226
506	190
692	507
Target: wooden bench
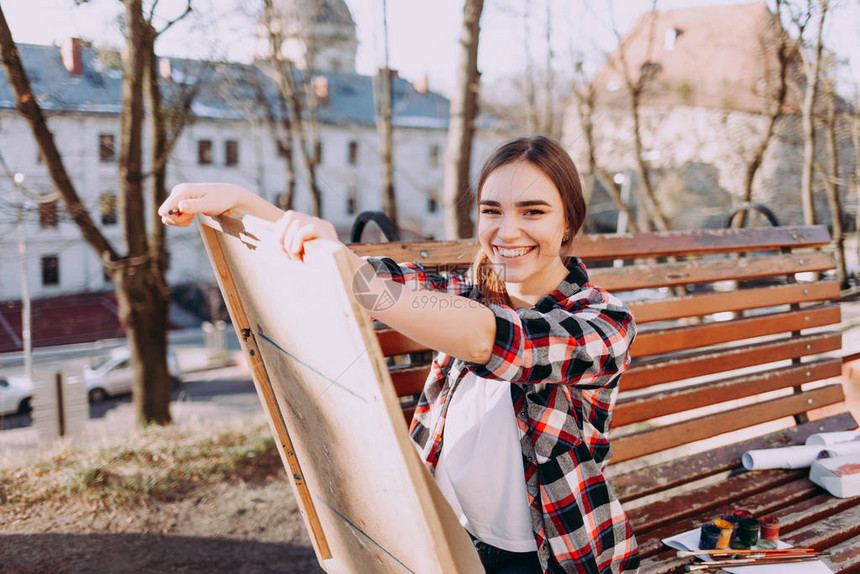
737	348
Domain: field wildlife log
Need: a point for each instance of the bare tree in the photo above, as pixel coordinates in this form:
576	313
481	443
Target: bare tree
297	96
636	84
384	127
812	66
585	95
141	289
774	102
461	127
831	179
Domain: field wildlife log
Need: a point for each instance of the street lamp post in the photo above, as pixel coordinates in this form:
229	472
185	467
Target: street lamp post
26	313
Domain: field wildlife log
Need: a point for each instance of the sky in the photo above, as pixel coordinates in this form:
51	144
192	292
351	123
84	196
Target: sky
423	34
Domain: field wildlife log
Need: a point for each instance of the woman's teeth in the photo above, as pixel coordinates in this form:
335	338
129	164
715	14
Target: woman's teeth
512	253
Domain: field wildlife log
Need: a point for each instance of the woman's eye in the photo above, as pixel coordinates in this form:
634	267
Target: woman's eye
489	211
535	212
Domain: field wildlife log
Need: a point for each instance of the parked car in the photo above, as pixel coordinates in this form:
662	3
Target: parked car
16	393
112	374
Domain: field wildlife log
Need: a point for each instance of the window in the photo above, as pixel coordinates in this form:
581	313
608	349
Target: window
231	152
433	157
204	152
352	201
50	270
107	208
353	153
107	148
318	150
48	214
432	205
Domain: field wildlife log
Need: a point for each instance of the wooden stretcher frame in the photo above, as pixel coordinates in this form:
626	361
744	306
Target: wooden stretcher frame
366	498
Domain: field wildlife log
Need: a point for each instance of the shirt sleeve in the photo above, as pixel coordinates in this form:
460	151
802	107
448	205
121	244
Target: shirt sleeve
416	276
584	342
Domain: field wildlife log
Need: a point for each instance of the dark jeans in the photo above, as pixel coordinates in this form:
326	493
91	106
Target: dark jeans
498	561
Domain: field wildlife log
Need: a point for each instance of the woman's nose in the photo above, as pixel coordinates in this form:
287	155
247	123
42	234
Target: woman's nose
509	229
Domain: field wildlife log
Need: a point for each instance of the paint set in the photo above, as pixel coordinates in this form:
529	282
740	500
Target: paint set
739	539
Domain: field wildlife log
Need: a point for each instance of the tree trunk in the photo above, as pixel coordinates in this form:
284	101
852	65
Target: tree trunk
384	132
774	112
855	140
464	109
139	292
813	68
831	179
155	403
634	90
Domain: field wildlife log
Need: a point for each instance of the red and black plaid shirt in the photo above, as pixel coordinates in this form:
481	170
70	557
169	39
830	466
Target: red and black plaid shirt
563	359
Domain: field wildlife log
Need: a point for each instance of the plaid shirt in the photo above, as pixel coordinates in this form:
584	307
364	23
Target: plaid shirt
578	335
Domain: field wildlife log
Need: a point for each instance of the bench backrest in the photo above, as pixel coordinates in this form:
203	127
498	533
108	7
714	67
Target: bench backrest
732	329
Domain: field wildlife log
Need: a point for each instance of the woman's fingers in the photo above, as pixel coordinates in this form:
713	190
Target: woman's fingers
294	229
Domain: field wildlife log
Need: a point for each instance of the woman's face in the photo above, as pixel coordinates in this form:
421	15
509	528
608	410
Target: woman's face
521	222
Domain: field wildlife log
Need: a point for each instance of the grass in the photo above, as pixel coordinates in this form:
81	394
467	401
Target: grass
159	462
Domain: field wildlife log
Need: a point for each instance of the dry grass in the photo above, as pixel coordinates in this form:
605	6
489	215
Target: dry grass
159	462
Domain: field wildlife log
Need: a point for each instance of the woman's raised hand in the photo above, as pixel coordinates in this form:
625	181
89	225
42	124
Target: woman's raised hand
294	229
187	199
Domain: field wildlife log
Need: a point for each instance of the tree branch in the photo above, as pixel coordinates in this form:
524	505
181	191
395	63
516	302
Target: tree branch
171	22
29	108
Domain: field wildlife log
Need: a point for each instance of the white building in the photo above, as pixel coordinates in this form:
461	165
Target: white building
79	89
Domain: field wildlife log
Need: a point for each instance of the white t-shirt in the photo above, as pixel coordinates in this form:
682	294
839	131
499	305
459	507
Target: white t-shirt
480	469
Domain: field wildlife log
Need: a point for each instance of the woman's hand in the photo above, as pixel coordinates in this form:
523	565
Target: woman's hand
294	229
187	199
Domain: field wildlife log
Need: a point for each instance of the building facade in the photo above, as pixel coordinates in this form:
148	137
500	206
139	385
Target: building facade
229	140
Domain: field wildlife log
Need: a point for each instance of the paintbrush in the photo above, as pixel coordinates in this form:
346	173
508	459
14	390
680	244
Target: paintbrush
729	551
748	562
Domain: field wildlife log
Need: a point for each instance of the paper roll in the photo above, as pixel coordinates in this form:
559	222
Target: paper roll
796	456
786	457
832	437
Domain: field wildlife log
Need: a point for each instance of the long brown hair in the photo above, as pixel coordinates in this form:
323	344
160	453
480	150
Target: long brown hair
549	157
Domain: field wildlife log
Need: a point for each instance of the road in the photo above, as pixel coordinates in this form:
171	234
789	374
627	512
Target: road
229	387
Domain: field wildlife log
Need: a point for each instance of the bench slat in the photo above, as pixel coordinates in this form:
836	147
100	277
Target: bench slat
826	530
393	343
705	501
669	436
845	556
681	338
708	393
660	477
599	247
698	305
409	380
708	271
646	373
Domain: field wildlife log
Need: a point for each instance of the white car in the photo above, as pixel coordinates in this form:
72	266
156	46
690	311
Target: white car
112	374
15	395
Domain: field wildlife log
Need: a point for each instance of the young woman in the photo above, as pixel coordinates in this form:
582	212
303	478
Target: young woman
514	416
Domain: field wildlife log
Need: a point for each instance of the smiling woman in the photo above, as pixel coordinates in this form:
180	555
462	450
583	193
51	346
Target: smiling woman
513	419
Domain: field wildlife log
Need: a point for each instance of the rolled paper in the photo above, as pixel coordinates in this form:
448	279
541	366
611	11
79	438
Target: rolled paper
710	534
725	533
828	438
748	532
769	533
735	521
787	457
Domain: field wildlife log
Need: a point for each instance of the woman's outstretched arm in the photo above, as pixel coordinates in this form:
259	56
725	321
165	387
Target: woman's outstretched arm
452	324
